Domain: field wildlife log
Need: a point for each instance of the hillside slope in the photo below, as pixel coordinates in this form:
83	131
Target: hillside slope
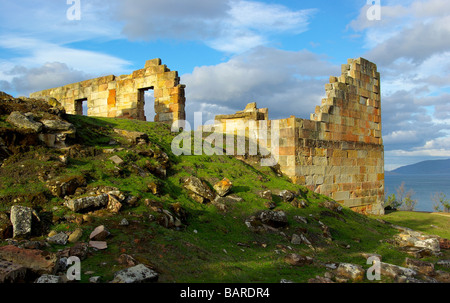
254	233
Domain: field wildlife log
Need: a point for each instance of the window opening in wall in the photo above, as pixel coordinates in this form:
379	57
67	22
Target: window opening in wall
147	103
81	107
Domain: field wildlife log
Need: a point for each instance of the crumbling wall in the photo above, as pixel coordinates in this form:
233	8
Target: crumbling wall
123	96
339	152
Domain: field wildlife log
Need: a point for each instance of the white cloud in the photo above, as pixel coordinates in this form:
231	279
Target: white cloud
232	26
287	82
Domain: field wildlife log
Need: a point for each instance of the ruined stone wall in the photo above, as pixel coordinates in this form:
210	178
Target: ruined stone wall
339	152
123	96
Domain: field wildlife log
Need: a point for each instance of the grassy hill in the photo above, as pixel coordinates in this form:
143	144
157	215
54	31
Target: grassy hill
214	244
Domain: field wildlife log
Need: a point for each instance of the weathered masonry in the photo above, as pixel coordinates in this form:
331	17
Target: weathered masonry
338	152
123	96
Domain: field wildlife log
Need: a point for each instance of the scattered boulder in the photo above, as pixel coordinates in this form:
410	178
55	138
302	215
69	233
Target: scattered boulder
22	121
274	218
442	276
169	220
132	136
58	125
136	274
425	268
75	235
444	243
100	245
49	279
296	239
416	239
11	273
100	233
21	219
203	193
285	195
229	199
59	239
395	271
223	187
300	219
41	262
79	250
114	205
265	194
67	186
267	220
298	260
319	279
445	263
124	222
331	205
86	203
153	187
350	271
127	260
117	160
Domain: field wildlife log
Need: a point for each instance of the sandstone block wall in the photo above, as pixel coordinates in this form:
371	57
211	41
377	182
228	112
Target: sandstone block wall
338	152
123	96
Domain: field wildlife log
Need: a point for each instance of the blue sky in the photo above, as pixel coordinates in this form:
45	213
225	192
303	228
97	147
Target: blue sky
279	54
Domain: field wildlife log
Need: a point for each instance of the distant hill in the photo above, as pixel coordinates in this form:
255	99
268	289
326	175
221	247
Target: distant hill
429	167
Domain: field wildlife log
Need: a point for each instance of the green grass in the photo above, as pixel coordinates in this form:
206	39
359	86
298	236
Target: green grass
429	223
207	249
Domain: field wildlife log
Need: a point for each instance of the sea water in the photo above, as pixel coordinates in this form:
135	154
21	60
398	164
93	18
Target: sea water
424	187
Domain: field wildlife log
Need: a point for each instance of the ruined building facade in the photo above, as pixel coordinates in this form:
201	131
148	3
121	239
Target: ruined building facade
123	96
338	152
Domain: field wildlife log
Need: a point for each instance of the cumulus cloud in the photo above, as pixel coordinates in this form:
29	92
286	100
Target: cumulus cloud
411	45
287	82
231	26
53	74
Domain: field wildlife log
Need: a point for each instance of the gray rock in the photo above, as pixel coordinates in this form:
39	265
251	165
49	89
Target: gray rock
100	233
199	188
25	122
223	187
116	160
85	203
95	279
300	219
136	274
350	271
58	125
21	218
445	263
422	267
49	279
298	260
274	218
59	239
124	222
395	271
296	239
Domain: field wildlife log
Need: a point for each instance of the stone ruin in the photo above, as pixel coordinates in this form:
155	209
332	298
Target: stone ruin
123	96
338	152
